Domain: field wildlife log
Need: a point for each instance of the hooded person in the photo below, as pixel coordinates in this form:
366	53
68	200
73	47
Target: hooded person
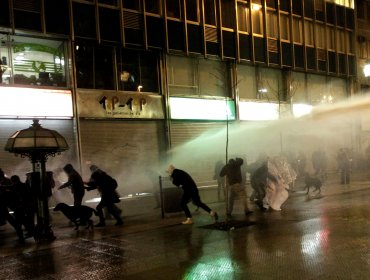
76	184
106	186
182	179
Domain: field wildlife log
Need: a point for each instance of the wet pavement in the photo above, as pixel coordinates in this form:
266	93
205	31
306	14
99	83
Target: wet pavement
312	238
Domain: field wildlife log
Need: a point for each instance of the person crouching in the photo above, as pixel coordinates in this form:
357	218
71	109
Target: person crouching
182	179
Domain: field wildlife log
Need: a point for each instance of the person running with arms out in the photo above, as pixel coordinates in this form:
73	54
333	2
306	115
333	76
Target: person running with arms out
182	179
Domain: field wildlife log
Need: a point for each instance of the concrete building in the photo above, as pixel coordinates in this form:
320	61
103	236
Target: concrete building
124	81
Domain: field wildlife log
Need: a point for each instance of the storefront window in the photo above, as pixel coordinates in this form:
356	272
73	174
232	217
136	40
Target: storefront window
35	62
246	82
137	71
94	66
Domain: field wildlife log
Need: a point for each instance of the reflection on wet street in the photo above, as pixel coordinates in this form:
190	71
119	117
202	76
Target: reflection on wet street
326	238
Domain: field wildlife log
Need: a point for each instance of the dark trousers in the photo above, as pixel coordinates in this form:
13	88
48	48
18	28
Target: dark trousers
10	219
196	201
77	198
112	209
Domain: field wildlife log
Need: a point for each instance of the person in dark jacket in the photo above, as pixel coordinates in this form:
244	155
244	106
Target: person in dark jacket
76	184
106	186
182	179
5	197
235	187
23	204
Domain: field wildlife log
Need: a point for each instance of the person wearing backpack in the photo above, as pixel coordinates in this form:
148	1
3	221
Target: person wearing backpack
106	186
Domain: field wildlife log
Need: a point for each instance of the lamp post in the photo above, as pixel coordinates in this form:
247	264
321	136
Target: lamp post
38	143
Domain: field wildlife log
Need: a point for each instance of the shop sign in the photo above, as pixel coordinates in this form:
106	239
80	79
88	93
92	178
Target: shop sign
201	109
258	111
97	104
32	102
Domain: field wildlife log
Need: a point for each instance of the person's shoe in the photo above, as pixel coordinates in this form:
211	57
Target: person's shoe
188	221
100	224
119	223
214	215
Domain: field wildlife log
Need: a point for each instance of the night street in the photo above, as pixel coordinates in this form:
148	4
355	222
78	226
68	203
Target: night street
324	238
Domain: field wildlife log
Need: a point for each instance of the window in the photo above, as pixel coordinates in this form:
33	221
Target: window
55	13
131	4
243	18
284	27
272	25
108	2
209	12
297	30
360	9
228	13
137	69
368	11
257	18
173	8
341	46
320	36
197	76
192	10
84	20
319	5
152	6
330	38
349	40
94	66
308	33
26	61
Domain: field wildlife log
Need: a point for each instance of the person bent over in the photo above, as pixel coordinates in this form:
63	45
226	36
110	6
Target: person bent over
182	179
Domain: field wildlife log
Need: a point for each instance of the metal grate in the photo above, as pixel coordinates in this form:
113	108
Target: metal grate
132	20
27	5
272	45
321	54
211	34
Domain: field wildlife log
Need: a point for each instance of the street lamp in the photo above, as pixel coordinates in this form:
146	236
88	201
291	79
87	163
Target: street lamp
38	143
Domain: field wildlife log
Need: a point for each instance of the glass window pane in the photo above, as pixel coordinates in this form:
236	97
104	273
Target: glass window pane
38	62
308	31
350	41
243	18
209	12
5	66
246	82
297	30
330	38
131	4
284	27
173	8
152	6
213	78
84	65
228	13
84	20
320	36
108	2
257	21
182	78
192	10
341	47
103	66
272	25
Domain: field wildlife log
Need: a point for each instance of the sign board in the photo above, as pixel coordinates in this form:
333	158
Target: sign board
111	104
32	102
201	109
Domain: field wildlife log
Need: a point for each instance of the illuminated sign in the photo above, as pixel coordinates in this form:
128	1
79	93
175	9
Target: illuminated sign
201	109
300	110
258	111
29	102
112	104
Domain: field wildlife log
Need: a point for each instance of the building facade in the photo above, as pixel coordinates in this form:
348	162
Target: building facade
126	80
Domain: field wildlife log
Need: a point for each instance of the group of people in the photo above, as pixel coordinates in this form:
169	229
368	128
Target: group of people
20	198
